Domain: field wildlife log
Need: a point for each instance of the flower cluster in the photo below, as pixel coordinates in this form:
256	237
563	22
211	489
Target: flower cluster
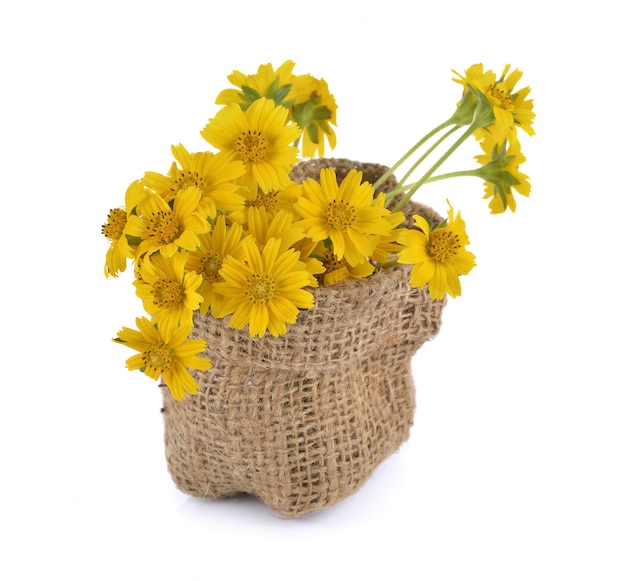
226	232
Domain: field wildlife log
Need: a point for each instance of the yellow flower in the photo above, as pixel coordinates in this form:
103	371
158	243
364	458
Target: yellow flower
116	230
346	214
166	229
386	246
119	249
265	290
510	108
272	202
281	226
168	291
213	174
335	270
310	103
500	170
165	351
314	111
214	247
259	136
306	247
275	85
438	255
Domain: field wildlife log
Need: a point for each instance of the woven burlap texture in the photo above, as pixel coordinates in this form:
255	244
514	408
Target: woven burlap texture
301	421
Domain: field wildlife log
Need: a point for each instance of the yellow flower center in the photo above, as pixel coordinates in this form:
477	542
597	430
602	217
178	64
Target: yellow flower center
506	102
261	289
210	264
167	294
252	145
163	227
330	262
267	200
116	221
443	245
159	357
340	215
186	179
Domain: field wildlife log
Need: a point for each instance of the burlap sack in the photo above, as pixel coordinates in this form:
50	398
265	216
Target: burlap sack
301	421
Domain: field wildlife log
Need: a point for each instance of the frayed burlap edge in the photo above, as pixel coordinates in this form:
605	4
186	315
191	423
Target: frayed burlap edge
302	421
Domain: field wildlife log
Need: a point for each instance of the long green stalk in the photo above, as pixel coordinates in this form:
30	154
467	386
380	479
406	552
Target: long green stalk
382	179
403	201
454	174
401	187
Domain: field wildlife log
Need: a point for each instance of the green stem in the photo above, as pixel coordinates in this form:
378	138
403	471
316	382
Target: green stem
428	152
401	187
403	201
389	264
382	179
454	174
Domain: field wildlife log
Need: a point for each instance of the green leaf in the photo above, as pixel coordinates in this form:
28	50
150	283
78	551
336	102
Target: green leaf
440	225
313	133
322	113
133	240
249	95
281	93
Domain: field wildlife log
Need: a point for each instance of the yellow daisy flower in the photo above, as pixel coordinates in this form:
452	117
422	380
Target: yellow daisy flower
510	108
213	174
281	226
223	241
265	290
387	246
165	351
275	85
336	270
119	250
315	110
272	202
500	170
117	231
307	249
438	255
344	213
310	103
261	137
168	291
167	229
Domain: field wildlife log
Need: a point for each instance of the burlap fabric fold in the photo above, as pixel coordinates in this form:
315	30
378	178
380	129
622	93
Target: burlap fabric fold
302	421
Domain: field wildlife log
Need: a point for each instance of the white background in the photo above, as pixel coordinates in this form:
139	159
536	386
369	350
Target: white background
516	466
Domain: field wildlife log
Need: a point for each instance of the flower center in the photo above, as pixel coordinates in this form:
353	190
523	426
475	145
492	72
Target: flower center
210	264
167	294
330	262
264	200
252	145
186	179
163	227
159	357
114	228
261	289
340	215
506	102
443	245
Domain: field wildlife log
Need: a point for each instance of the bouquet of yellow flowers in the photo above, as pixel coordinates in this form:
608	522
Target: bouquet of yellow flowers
228	232
289	295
